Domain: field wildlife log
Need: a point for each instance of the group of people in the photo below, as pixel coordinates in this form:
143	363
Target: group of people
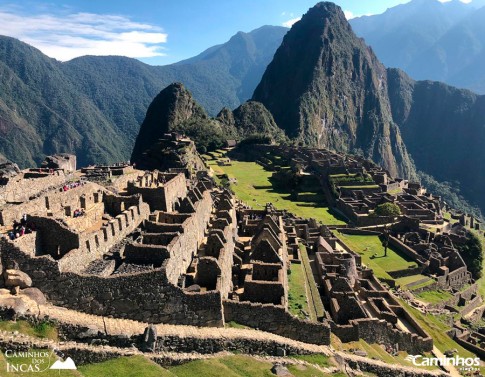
78	212
21	228
72	185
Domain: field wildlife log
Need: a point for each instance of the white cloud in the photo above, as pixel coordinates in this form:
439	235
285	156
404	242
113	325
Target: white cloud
67	36
290	23
348	14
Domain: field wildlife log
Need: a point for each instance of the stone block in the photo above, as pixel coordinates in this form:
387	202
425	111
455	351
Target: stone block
17	278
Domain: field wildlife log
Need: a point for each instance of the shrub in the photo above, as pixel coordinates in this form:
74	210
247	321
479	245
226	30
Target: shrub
388	209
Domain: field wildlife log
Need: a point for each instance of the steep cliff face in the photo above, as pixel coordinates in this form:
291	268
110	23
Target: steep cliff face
326	88
444	130
173	106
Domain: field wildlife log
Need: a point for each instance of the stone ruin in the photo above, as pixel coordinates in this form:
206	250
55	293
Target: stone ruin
171	247
63	161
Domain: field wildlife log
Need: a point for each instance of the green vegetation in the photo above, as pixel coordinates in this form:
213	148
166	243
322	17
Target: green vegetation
40	330
406	282
238	366
472	254
139	366
436	327
434	297
372	252
134	366
315	301
387	209
317	359
235	325
297	298
254	186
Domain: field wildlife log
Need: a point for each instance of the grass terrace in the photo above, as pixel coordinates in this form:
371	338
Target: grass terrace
434	297
414	281
377	352
254	187
437	327
41	330
315	301
372	252
227	366
297	296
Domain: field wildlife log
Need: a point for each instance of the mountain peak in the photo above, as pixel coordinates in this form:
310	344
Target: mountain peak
172	106
326	88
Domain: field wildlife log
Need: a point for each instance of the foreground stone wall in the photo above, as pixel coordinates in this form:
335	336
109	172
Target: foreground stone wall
379	331
277	320
146	297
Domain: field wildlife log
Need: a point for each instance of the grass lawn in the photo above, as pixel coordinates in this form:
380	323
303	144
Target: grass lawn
238	366
139	366
434	297
297	299
314	299
407	280
367	246
135	366
42	330
255	189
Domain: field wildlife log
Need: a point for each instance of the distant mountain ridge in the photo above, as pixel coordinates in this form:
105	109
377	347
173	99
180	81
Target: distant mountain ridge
93	106
430	40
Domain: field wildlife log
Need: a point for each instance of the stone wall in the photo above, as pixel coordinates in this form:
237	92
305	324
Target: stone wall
20	189
160	196
379	331
54	203
183	248
406	250
277	320
146	297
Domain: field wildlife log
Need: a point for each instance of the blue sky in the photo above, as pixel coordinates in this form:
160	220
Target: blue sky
155	31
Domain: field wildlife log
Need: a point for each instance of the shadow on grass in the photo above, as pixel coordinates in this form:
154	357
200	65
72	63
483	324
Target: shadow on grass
267	187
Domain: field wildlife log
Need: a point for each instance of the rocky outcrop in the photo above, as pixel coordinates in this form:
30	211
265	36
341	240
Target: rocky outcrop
326	88
8	170
249	120
171	107
64	161
17	278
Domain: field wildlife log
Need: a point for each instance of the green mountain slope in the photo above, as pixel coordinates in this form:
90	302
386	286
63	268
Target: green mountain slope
431	40
93	106
42	113
444	130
